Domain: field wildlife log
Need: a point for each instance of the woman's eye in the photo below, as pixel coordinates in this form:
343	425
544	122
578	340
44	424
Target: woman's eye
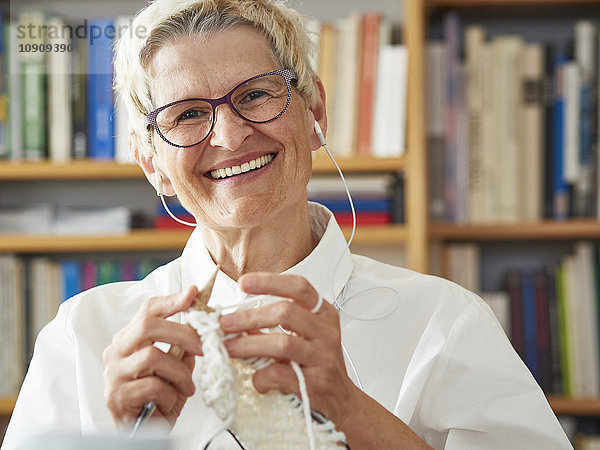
194	114
255	95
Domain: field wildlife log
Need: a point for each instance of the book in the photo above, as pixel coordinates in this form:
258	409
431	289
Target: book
345	118
451	26
532	129
16	97
389	129
328	44
100	105
530	320
60	128
542	311
4	75
571	96
33	88
586	40
371	22
560	199
79	84
474	42
71	278
506	85
435	95
517	326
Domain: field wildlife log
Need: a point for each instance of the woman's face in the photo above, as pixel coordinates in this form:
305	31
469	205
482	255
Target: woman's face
210	68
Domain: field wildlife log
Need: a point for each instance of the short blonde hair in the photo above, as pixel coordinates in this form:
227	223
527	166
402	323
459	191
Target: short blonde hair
165	21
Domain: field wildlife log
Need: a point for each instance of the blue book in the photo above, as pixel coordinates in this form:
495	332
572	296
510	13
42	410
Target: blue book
560	190
100	107
360	205
71	278
530	323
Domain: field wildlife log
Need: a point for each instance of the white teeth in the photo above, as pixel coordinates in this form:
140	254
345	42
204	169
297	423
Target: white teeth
245	167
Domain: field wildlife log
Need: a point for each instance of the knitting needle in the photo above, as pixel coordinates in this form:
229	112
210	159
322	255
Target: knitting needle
200	303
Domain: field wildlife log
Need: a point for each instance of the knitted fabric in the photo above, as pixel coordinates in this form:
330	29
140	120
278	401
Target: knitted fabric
261	421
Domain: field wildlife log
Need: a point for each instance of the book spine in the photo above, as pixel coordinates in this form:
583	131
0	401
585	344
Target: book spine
100	105
79	86
368	79
529	322
560	200
4	74
517	327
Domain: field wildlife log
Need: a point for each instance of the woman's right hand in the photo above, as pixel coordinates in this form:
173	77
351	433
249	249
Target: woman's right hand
136	372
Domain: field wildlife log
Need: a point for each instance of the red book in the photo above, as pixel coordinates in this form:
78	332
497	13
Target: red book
167	223
517	327
363	218
367	82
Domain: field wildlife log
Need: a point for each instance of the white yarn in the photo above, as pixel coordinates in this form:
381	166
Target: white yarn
261	421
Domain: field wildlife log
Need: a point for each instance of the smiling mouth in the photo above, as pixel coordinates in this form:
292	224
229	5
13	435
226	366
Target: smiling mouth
249	166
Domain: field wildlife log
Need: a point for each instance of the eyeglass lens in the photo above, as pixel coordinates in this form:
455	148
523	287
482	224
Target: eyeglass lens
259	100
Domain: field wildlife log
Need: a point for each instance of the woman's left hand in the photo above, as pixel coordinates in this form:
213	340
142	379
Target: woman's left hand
315	343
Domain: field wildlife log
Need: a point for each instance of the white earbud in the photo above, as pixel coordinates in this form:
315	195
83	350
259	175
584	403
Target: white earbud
158	183
320	134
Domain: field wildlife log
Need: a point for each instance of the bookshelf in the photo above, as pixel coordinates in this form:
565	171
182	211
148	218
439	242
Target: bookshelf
550	233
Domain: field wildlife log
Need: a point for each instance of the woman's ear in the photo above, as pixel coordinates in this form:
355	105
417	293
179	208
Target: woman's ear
150	166
319	113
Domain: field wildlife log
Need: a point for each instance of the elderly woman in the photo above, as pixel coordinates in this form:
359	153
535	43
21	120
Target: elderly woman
223	105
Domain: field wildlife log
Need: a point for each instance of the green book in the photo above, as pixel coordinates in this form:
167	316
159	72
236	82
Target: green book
566	357
108	272
33	85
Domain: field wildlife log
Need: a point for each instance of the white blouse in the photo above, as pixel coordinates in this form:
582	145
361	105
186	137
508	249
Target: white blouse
426	349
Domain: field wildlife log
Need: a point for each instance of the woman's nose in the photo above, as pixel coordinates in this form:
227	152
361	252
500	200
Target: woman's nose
229	130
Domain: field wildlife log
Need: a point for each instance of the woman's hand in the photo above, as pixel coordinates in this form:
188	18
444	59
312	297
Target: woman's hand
136	372
315	343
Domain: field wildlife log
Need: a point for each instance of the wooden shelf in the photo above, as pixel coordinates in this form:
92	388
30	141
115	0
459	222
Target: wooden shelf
88	169
7	405
567	406
464	3
570	229
76	170
144	240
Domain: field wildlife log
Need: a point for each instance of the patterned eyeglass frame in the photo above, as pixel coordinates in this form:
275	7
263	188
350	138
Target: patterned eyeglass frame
287	74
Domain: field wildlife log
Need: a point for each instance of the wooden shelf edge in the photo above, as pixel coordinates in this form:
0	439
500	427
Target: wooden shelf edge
466	3
145	240
73	170
7	405
570	229
90	169
136	240
574	406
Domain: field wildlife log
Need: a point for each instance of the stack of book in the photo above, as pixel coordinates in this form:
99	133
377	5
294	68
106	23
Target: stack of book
365	78
550	315
56	98
378	199
32	290
512	128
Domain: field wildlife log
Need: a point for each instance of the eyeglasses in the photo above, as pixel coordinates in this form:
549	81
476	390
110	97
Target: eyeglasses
260	99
